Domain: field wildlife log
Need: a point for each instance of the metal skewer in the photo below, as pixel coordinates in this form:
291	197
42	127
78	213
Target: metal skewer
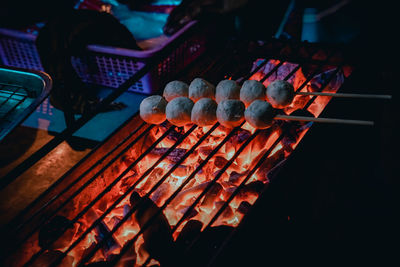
346	95
323	120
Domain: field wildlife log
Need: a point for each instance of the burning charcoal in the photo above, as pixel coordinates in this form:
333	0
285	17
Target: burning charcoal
249	191
174	156
220	162
242	136
49	234
161	194
181	170
111	244
157	237
211	196
186	194
48	257
236	178
183	210
263	172
244	207
226	215
152	179
189	232
204	151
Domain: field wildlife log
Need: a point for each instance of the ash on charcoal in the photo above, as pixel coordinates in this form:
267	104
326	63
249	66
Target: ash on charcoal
236	178
211	196
183	209
175	155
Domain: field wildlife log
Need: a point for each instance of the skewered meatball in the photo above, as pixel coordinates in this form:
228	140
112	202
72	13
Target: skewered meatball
252	90
152	109
179	110
204	112
227	89
259	114
200	88
230	113
280	94
175	89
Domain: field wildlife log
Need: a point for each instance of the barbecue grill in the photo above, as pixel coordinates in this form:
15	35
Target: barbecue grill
164	195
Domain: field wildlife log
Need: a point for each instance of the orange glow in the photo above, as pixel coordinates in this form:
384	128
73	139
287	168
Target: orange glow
213	200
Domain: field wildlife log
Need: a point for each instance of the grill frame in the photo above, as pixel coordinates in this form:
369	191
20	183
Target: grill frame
41	202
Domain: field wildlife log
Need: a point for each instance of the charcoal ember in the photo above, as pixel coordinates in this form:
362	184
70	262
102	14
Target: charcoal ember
226	215
211	196
175	155
220	162
188	193
158	240
250	190
241	136
175	134
183	209
236	178
161	194
181	170
282	72
152	179
50	256
204	151
244	207
51	231
111	244
263	172
189	232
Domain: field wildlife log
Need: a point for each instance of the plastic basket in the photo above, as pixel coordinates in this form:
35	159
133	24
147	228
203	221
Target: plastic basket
111	66
21	93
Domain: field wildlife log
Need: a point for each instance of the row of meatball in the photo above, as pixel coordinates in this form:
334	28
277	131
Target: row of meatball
228	103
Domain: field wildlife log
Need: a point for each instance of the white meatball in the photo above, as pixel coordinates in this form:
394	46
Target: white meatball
259	114
179	110
227	89
230	113
204	112
200	88
175	89
280	94
152	109
252	90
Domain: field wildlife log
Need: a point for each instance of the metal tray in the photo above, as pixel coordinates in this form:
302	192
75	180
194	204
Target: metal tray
21	92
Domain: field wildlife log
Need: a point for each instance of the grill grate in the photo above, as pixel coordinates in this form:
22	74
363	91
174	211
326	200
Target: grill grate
85	180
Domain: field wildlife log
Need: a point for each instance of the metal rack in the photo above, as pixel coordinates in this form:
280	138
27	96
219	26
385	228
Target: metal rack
21	92
50	203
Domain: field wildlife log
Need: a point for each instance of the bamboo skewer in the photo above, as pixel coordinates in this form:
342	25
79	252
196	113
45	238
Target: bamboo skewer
346	95
323	120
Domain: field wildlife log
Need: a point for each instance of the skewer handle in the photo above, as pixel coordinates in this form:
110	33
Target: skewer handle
346	95
323	120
